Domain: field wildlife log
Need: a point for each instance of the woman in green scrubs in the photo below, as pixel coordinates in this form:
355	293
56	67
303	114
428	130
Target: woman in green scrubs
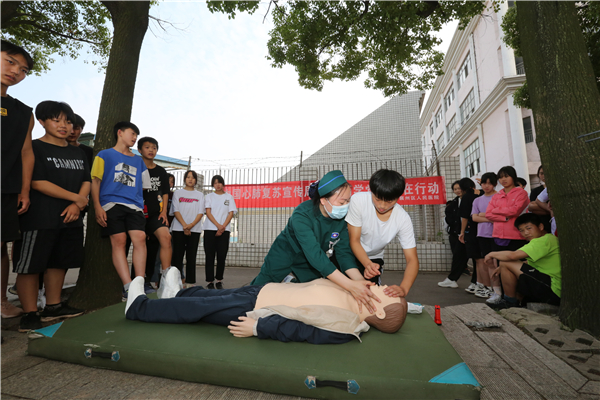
314	233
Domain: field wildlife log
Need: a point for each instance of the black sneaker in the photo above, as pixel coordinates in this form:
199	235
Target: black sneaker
13	290
219	285
61	310
210	285
30	321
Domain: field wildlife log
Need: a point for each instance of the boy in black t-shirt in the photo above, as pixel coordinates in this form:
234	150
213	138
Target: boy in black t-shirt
155	209
73	139
52	239
17	158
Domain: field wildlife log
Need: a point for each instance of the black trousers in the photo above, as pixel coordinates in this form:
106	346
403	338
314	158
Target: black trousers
459	257
188	245
215	245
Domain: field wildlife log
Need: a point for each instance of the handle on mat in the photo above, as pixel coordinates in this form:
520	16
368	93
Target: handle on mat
350	385
113	356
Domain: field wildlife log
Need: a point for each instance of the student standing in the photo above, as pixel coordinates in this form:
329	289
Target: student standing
503	209
52	239
459	251
155	209
374	220
17	158
220	207
73	139
188	209
118	180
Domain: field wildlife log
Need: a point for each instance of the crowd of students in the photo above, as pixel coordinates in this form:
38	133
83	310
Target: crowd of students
510	236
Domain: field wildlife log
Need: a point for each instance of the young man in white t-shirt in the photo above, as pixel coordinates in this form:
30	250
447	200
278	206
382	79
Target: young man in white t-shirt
374	219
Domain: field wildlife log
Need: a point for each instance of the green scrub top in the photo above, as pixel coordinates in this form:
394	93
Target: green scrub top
301	247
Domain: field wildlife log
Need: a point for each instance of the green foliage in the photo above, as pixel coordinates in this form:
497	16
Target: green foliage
392	41
230	7
589	20
57	28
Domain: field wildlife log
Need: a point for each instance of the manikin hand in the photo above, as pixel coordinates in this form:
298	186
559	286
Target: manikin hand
242	328
372	270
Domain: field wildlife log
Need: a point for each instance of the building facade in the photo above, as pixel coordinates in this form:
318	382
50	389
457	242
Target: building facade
470	113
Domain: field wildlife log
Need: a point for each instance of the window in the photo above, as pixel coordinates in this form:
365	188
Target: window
528	130
472	159
464	70
438	118
451	127
467	107
440	143
431	131
449	99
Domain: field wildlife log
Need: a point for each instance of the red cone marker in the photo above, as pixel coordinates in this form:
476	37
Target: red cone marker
438	318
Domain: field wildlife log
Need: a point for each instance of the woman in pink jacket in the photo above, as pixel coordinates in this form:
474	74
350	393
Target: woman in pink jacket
503	209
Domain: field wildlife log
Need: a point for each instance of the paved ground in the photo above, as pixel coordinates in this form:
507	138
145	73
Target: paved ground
509	363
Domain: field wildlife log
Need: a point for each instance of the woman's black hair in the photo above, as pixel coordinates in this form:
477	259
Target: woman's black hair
387	185
466	184
53	109
217	178
522	182
489	176
455	183
313	193
12	49
508	171
539	169
194	174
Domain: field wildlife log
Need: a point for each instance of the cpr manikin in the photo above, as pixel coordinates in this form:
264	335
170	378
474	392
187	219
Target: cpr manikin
318	312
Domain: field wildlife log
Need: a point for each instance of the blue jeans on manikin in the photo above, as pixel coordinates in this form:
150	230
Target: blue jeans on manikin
218	307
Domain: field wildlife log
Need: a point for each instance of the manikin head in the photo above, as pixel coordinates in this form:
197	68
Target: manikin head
390	314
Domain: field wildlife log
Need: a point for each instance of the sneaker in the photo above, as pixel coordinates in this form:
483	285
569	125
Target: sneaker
136	289
148	288
30	321
483	292
448	283
13	290
172	284
499	305
124	295
219	285
495	299
9	310
58	311
471	288
210	285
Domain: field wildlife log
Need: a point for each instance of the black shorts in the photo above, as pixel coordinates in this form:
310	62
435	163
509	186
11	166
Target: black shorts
121	219
486	245
472	246
10	217
40	250
535	286
376	279
153	223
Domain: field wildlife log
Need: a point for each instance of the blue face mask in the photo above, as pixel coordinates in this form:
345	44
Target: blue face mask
337	212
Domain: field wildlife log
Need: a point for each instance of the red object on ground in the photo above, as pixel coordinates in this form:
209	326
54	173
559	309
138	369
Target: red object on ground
438	318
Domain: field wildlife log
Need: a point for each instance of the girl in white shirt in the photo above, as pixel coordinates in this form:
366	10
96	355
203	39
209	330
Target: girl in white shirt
220	207
188	208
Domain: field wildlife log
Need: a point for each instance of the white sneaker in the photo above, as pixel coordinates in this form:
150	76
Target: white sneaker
136	289
170	284
483	292
471	288
495	299
448	283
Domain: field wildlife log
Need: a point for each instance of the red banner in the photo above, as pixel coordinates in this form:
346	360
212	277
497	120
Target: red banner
425	190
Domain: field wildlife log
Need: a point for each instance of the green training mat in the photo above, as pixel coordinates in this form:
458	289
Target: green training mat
415	363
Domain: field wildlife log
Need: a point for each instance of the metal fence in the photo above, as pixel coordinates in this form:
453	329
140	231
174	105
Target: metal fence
253	230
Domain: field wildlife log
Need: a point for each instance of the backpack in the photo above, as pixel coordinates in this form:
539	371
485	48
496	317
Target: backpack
452	217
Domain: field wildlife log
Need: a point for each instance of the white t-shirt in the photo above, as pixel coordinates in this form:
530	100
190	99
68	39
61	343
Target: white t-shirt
376	234
189	203
220	205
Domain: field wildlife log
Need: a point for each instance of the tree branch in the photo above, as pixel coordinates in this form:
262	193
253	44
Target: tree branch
267	13
43	28
431	6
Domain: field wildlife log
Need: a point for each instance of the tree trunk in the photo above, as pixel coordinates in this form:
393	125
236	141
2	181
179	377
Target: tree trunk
98	284
565	104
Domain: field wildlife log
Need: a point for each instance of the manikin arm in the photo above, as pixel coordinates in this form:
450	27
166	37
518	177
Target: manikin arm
286	330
